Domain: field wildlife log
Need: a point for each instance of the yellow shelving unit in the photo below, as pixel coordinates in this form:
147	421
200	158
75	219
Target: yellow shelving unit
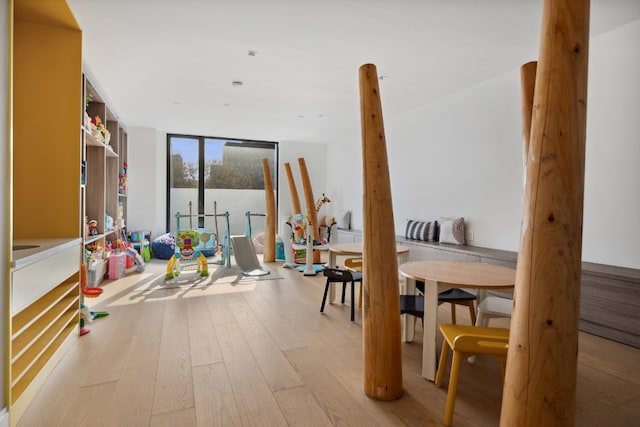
43	305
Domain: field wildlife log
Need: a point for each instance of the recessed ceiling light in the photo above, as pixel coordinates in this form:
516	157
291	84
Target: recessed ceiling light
176	102
252	52
236	83
301	116
383	77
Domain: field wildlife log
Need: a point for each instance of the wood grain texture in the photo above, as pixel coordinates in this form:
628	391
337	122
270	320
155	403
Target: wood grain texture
270	218
310	204
183	418
381	323
308	198
275	368
174	381
301	408
134	392
295	200
527	89
215	402
205	349
540	383
327	357
254	398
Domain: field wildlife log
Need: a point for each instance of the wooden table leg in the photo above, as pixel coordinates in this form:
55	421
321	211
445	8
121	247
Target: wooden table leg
332	264
430	329
408	321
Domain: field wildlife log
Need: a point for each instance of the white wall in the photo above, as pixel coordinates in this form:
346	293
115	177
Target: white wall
461	156
612	177
147	178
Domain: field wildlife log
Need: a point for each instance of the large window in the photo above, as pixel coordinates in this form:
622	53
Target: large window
217	175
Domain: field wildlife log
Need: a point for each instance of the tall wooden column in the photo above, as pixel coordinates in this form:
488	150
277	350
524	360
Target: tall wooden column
540	383
527	85
269	254
311	204
295	200
381	306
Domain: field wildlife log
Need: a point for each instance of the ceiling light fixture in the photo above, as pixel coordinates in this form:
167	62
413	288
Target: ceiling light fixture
383	77
252	52
236	83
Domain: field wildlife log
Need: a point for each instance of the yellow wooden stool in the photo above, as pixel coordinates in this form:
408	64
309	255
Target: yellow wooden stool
465	341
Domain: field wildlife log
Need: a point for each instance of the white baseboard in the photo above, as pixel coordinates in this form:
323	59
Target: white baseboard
4	417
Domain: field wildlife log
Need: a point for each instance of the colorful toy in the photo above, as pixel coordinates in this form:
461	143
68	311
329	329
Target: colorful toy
187	242
93	227
132	255
193	244
122	184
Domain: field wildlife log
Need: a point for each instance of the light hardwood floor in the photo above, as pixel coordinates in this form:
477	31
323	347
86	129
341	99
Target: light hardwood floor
263	355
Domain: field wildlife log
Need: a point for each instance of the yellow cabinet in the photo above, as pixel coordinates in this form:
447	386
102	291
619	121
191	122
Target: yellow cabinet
46	113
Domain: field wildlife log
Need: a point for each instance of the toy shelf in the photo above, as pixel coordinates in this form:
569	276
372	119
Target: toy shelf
105	154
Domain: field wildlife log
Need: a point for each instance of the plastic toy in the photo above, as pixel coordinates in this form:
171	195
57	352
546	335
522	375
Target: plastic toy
187	242
190	245
93	227
92	292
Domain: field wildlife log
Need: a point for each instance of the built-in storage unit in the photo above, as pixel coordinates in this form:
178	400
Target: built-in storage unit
45	213
104	162
44	304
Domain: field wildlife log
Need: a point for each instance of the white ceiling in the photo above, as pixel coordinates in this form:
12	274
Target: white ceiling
169	64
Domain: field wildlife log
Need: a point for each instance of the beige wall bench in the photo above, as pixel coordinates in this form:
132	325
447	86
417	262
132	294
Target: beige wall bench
609	295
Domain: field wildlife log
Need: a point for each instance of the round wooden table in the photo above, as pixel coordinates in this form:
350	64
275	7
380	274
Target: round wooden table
441	275
354	249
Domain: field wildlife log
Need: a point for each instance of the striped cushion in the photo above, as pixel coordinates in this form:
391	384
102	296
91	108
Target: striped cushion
422	230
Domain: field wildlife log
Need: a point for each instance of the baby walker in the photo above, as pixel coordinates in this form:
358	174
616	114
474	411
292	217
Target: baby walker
189	246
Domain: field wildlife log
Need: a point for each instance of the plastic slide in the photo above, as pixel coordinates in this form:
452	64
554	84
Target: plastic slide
246	258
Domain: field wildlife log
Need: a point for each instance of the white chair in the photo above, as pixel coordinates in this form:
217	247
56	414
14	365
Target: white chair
492	307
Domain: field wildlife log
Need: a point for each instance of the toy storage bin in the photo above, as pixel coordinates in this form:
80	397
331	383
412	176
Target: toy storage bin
96	272
117	265
140	235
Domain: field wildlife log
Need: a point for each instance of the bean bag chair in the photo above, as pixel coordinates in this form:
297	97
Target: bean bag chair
164	246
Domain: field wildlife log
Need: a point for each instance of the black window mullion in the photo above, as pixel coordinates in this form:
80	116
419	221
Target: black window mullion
201	185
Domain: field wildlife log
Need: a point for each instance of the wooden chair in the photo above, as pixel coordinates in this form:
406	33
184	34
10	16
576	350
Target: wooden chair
336	275
454	297
413	305
355	264
465	341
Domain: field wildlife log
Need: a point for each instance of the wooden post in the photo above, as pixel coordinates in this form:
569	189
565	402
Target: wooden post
381	305
527	85
269	254
540	382
295	201
527	88
311	204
